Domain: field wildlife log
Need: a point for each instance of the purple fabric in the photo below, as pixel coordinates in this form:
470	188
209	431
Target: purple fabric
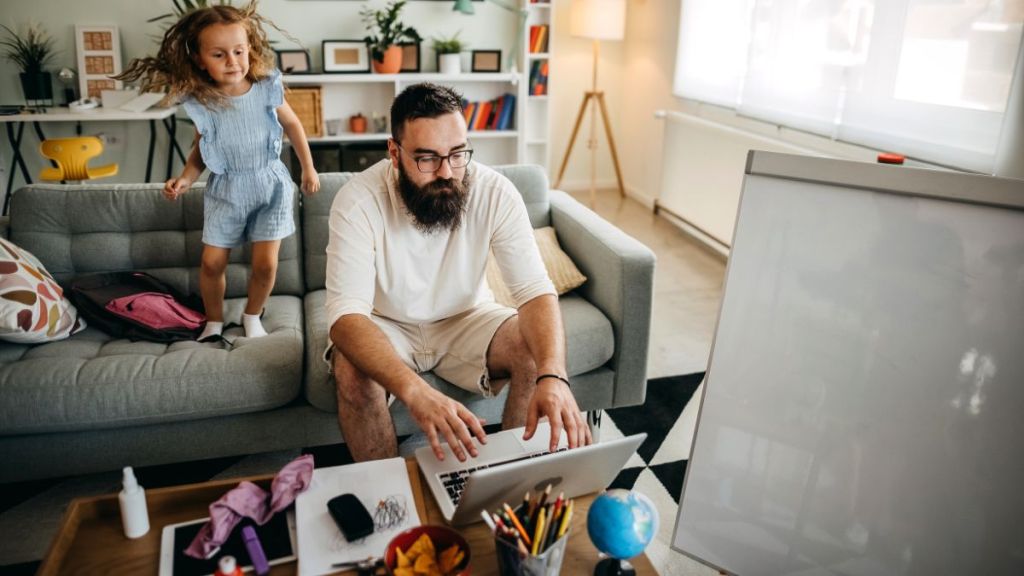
248	500
156	310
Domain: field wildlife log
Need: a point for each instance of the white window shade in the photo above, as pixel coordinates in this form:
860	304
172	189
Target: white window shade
927	78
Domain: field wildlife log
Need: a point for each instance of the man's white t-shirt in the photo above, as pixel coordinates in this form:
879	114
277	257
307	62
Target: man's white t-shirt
379	262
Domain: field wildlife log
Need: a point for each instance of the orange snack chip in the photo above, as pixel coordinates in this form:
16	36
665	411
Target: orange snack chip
421	559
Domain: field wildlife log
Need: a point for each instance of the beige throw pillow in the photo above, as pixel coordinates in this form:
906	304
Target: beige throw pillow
563	273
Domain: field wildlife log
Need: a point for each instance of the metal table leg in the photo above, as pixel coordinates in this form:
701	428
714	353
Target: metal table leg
171	124
152	148
16	161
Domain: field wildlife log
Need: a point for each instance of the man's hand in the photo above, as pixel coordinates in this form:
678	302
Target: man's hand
438	415
552	398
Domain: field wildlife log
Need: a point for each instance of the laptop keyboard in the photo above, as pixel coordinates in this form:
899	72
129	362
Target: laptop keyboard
454	482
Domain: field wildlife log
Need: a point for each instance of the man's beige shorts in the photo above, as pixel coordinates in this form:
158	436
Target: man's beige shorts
454	348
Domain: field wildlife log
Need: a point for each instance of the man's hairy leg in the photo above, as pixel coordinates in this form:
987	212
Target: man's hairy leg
363	413
509	356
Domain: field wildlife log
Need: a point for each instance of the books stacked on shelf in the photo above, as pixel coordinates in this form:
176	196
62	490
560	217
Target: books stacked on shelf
538	38
497	114
539	78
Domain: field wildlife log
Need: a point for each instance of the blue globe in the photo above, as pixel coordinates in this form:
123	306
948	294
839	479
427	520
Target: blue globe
622	523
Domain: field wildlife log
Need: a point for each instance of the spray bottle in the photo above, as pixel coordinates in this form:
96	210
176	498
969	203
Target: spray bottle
134	516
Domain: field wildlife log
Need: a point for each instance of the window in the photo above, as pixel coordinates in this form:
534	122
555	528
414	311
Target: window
928	78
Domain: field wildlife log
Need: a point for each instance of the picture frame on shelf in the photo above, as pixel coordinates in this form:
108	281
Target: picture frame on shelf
293	61
410	57
485	61
345	57
99	58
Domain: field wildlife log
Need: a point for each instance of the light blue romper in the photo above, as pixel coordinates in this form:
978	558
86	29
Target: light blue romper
249	193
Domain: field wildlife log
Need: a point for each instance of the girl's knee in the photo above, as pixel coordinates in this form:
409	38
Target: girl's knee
213	266
264	269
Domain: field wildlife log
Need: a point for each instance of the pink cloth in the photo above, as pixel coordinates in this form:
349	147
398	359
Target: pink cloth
156	310
248	500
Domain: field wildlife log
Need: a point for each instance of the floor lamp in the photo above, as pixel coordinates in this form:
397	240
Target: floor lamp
597	20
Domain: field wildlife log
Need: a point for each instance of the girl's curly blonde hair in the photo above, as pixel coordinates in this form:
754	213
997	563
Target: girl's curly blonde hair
175	69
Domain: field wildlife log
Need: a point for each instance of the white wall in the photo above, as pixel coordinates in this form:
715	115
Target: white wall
310	21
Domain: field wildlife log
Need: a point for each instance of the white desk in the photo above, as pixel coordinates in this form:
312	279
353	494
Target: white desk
16	127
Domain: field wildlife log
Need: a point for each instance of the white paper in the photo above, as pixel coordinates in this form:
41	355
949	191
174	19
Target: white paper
321	542
142	102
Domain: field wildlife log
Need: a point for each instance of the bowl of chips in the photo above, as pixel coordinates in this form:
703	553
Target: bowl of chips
427	551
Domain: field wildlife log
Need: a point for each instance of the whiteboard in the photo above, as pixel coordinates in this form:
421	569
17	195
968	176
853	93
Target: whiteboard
863	411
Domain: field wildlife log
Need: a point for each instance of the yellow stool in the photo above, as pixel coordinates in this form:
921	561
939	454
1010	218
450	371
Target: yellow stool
72	156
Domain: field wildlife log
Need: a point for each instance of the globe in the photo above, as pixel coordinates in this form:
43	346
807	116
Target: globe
621	523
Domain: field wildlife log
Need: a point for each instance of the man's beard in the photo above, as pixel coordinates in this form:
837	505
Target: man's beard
436	206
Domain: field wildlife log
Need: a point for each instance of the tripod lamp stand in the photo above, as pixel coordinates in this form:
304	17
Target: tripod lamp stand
597	20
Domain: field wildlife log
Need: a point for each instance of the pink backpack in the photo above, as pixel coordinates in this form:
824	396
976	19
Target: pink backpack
156	310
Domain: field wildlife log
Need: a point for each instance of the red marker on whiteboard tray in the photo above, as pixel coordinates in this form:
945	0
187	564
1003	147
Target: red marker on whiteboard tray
890	158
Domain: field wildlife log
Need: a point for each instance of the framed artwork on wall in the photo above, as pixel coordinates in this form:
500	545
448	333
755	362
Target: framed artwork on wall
486	61
410	57
346	56
99	58
293	61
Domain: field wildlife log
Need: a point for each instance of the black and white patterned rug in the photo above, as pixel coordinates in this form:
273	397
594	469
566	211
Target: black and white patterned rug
30	512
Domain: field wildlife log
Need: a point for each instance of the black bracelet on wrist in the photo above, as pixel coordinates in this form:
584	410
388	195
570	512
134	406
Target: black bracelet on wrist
555	376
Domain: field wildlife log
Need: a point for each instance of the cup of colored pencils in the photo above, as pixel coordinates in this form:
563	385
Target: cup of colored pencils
530	538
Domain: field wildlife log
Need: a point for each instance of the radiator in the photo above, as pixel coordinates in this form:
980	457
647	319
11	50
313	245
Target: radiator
702	173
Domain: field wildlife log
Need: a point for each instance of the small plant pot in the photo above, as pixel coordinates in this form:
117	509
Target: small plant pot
392	62
38	88
450	63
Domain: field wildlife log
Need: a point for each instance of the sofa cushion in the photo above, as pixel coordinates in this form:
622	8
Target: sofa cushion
33	308
92	381
87	228
589	343
562	272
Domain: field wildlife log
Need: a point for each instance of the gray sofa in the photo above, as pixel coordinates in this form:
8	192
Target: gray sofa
92	403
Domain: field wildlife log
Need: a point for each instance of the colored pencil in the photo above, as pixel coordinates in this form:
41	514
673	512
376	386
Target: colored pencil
515	521
566	518
538	535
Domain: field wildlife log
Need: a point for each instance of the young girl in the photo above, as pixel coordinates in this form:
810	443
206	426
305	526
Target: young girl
218	61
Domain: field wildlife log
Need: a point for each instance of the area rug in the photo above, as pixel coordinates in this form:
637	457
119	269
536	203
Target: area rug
30	511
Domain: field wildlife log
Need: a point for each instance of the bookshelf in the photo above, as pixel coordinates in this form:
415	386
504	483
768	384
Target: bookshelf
344	95
536	56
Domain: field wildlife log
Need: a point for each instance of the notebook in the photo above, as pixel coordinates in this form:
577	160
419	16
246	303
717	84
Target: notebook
507	467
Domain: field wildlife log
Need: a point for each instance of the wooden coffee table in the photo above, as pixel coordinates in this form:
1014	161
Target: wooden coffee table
90	540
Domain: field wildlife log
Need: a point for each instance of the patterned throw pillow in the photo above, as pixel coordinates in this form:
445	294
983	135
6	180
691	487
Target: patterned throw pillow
563	273
32	305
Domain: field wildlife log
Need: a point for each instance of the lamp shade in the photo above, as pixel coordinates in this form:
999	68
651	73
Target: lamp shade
598	19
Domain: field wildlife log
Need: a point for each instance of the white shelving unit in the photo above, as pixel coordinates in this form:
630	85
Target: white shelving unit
536	112
344	95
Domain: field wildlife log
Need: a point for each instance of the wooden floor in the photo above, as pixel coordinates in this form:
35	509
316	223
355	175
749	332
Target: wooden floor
687	284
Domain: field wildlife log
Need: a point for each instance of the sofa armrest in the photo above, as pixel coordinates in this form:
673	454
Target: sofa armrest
620	282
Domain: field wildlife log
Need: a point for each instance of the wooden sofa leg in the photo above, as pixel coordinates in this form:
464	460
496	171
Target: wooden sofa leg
594	421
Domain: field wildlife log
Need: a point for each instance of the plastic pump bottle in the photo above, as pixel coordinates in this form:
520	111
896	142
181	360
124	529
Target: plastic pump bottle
134	516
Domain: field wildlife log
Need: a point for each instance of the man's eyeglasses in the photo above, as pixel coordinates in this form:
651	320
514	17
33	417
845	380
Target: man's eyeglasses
431	163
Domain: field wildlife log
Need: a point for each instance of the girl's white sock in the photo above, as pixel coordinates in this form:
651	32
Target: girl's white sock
211	329
253	326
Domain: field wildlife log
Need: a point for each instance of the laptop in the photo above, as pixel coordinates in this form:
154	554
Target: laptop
507	467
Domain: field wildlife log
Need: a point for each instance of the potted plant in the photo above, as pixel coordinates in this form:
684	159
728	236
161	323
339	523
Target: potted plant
386	31
30	52
449	59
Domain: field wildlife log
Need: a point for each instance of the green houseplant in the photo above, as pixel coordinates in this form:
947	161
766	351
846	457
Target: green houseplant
386	31
448	51
31	51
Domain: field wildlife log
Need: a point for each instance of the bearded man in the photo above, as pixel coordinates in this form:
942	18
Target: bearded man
406	260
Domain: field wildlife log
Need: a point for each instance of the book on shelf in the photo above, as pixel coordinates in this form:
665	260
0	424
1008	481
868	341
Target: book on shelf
539	78
497	114
538	38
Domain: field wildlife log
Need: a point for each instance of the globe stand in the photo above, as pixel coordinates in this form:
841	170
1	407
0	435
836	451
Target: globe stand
614	567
